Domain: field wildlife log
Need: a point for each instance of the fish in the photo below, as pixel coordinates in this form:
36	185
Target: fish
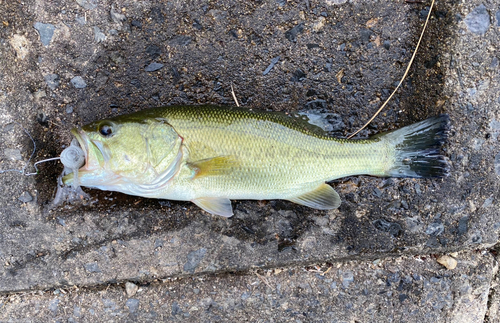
210	155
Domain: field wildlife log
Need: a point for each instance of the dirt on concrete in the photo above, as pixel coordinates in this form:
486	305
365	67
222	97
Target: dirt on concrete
64	63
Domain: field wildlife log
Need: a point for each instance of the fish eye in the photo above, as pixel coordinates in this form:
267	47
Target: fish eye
105	129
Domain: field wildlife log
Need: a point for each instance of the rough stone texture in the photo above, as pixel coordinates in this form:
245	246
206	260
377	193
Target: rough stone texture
341	70
478	20
415	289
46	31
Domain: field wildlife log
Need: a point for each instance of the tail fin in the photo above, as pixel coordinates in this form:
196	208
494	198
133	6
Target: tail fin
417	149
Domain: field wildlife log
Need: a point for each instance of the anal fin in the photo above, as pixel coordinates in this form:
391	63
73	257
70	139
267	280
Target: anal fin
215	205
322	198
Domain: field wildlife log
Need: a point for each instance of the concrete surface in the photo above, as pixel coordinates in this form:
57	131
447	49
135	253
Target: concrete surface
65	63
403	289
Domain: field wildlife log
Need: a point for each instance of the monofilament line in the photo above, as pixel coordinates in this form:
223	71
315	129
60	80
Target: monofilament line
23	170
402	79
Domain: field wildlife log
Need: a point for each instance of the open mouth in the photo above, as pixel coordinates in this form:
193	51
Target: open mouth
83	143
74	158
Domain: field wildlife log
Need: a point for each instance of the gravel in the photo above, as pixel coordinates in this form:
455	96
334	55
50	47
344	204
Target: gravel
92	268
335	2
292	33
497	164
416	288
12	154
274	61
46	32
448	262
25	197
435	229
88	4
132	304
116	16
78	82
99	35
153	67
478	20
52	80
193	259
131	289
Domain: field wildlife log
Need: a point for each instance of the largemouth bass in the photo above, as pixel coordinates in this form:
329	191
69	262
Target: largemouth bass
210	155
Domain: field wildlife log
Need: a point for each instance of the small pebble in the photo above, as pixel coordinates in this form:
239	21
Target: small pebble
52	81
78	82
25	197
153	67
12	154
117	16
131	289
435	229
319	24
40	94
132	304
92	267
478	20
81	20
495	129
448	262
61	221
273	62
488	202
347	278
291	34
180	40
153	51
497	164
77	311
335	2
20	45
87	4
53	304
69	109
193	259
99	35
494	62
137	23
46	31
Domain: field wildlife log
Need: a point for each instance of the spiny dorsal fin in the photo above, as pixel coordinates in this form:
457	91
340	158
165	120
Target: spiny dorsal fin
215	205
213	166
322	198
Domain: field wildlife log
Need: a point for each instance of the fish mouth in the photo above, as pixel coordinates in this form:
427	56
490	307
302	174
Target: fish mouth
92	170
83	141
96	153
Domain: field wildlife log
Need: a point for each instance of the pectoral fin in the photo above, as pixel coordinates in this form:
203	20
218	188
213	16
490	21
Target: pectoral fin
215	205
213	166
322	198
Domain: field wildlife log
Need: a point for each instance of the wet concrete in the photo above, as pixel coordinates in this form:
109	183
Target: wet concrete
339	61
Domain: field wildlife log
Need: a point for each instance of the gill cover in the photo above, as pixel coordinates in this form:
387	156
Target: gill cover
128	156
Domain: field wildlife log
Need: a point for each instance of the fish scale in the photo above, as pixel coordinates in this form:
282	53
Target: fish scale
287	152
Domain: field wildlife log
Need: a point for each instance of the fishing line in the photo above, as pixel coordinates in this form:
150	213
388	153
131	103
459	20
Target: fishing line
72	157
23	170
402	79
